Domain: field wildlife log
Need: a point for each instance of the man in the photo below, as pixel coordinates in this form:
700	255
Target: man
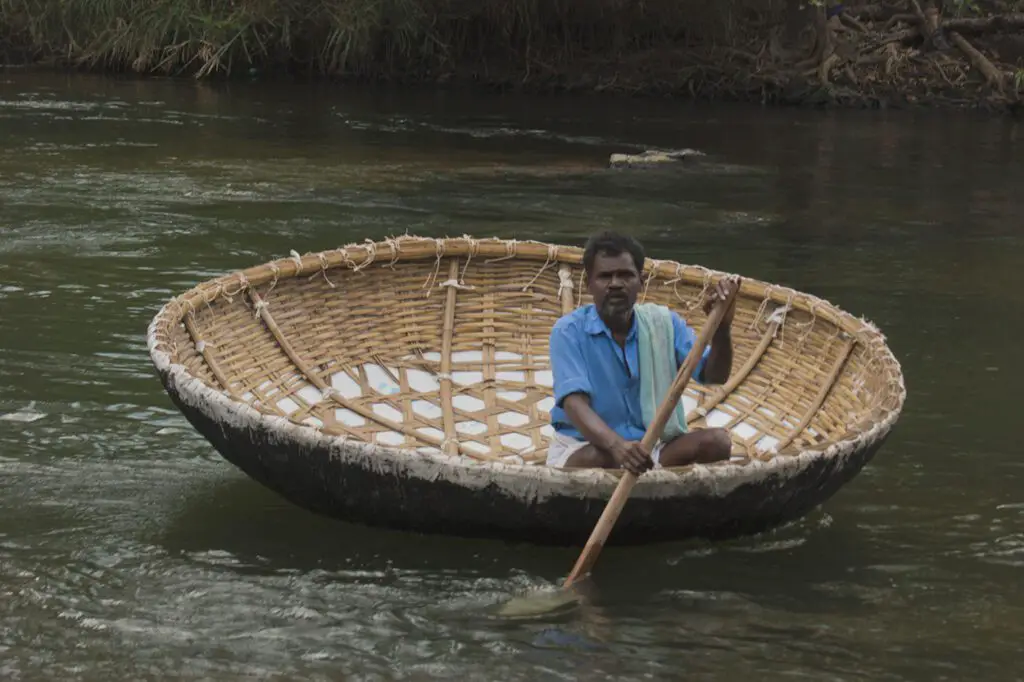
594	357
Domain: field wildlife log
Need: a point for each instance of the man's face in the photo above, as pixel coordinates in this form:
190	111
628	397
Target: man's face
615	284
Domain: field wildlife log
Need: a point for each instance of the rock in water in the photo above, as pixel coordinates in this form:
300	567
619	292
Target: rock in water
652	157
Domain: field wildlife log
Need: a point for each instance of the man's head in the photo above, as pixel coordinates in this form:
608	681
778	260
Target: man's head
613	263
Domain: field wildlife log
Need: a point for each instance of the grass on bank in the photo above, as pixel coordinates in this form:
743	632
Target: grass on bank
354	37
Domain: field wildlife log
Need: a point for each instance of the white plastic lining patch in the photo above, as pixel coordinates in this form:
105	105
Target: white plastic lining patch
380	381
476	447
716	418
421	381
287	405
345	385
467	378
349	418
311	394
388	412
472	428
426	409
389	438
745	431
516	441
467	403
513	419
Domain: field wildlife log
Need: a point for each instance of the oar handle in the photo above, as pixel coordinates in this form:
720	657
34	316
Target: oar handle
618	499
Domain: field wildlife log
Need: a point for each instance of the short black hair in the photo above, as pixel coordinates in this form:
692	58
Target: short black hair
612	244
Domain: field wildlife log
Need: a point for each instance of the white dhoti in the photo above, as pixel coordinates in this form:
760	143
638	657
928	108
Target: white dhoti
562	448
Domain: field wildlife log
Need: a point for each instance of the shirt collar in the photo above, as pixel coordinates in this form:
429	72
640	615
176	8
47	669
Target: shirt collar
595	325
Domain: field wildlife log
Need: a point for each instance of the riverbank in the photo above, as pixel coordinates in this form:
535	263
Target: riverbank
959	53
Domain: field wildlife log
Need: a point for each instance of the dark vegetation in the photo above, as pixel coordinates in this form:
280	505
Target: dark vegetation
891	52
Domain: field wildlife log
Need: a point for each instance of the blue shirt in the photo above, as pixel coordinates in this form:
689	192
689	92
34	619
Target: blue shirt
585	358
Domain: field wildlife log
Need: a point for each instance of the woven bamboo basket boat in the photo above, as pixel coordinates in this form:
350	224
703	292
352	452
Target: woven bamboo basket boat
405	383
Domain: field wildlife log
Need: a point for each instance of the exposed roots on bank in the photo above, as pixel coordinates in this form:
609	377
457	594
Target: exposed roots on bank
874	55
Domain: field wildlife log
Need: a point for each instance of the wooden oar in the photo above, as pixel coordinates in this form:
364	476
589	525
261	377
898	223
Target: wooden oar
557	599
618	500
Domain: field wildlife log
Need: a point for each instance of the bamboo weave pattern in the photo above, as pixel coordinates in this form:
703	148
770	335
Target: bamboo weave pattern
441	346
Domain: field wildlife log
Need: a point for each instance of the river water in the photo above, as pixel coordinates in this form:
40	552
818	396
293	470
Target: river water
130	550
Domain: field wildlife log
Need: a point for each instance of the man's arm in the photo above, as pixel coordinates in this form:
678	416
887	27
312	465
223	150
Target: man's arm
630	455
719	361
715	365
572	388
594	429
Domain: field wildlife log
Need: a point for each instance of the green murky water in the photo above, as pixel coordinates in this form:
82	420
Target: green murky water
130	550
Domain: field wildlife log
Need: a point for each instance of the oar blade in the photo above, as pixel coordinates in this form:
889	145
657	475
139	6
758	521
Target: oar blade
538	604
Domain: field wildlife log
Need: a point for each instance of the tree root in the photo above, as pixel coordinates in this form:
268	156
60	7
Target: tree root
929	22
853	22
1000	22
877	11
900	19
993	75
902	46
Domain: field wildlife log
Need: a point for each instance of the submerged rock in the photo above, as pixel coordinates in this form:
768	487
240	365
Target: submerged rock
652	157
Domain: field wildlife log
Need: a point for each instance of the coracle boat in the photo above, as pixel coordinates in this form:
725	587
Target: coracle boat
405	383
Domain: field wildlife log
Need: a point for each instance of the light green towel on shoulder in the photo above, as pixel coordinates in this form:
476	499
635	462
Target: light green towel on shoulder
657	350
